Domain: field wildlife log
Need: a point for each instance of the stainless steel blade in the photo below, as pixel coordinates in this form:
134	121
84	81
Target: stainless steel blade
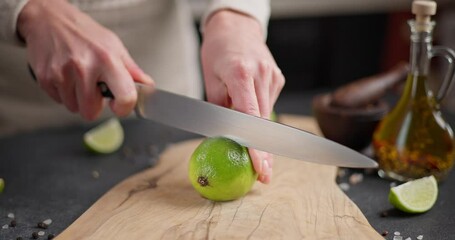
210	120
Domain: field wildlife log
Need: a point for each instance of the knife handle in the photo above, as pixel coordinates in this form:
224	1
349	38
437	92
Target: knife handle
105	92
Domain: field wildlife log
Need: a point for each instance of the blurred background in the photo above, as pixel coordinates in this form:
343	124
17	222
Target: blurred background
322	44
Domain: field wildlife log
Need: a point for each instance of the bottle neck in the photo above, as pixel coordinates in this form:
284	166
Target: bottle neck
421	44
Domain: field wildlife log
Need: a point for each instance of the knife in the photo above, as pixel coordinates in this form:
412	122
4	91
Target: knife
211	120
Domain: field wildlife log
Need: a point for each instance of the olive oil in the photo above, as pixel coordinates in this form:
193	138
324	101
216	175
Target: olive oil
414	140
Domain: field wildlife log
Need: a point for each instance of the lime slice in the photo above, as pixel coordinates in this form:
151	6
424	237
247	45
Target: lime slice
2	185
415	196
105	138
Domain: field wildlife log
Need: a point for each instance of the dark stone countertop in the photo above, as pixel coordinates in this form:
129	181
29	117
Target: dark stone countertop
48	174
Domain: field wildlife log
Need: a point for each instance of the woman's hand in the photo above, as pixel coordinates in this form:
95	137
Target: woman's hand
240	72
70	53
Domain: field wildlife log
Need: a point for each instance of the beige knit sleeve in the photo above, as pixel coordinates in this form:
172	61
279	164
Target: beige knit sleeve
259	9
9	12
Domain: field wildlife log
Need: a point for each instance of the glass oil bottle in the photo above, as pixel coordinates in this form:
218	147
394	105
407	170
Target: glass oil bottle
414	140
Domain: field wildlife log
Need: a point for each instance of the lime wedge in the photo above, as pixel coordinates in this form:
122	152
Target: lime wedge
105	138
415	196
2	185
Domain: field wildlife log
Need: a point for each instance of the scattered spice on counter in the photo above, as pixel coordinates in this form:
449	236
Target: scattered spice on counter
11	215
397	236
344	186
42	225
95	174
48	221
35	235
341	172
127	152
384	214
13	223
385	233
50	236
355	178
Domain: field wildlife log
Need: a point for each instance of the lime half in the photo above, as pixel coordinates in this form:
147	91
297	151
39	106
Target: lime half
106	137
2	185
415	196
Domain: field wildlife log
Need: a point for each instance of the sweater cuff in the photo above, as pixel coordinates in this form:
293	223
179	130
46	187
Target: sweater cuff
9	12
259	9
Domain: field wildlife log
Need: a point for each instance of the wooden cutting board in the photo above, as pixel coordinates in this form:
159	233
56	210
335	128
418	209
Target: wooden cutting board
302	202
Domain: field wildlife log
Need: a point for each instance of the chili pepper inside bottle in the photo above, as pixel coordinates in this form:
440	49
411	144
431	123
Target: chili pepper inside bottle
414	140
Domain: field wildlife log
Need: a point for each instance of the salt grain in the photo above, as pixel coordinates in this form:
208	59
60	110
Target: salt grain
356	178
95	174
5	226
420	237
393	184
397	238
397	233
41	233
344	186
341	172
11	215
47	221
408	238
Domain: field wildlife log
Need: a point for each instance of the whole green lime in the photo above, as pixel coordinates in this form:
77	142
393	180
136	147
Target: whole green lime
220	169
273	116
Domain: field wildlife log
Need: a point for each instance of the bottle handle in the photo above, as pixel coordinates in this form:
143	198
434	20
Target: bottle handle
449	55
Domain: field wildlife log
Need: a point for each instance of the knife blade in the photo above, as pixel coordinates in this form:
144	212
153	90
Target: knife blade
210	120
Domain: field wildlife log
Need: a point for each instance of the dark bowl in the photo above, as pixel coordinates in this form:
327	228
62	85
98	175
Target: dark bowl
352	127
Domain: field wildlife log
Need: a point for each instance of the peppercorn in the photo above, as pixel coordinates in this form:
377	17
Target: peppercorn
35	235
385	233
42	225
13	223
50	236
19	238
384	214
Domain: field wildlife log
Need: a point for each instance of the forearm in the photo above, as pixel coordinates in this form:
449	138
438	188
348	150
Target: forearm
257	9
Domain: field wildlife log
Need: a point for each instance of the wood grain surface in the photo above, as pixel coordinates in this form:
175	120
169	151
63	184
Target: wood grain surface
302	202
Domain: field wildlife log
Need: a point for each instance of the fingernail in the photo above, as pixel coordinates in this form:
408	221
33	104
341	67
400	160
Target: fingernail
266	179
148	78
261	178
265	168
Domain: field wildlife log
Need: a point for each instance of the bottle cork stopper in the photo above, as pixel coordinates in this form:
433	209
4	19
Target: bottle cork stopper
423	10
